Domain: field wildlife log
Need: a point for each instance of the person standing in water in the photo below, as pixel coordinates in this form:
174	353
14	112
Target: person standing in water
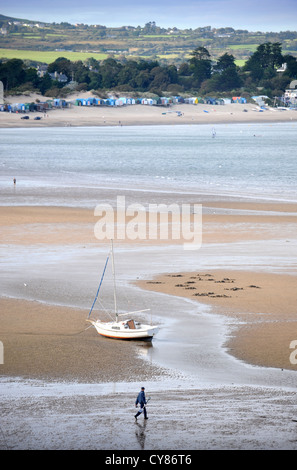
141	400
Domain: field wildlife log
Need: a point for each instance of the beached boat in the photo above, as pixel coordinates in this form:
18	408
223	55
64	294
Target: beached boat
128	329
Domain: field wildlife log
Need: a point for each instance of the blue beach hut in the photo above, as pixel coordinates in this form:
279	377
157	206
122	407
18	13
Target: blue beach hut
91	102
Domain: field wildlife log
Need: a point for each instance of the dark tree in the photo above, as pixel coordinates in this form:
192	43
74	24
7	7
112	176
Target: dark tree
12	73
267	57
200	64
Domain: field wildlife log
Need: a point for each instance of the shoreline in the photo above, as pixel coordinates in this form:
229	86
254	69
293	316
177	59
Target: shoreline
254	329
145	115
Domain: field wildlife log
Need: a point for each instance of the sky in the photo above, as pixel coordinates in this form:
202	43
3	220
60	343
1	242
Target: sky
253	15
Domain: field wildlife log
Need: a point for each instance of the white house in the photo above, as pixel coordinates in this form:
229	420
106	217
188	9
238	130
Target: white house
290	96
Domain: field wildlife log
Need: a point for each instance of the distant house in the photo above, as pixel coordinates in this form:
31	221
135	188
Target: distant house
283	68
290	97
41	70
60	77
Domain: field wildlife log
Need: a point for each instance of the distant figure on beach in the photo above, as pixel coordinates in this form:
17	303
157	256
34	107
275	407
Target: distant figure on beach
14	180
141	400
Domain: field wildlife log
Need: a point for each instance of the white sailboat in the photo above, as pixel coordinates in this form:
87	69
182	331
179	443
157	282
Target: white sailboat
128	329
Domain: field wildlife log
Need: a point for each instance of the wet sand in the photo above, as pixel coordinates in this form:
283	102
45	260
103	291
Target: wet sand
54	343
86	417
62	386
263	304
57	225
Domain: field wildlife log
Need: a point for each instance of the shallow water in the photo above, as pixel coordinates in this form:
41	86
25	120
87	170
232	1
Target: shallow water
191	338
72	166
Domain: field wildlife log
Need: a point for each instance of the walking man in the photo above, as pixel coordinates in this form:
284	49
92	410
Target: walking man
141	400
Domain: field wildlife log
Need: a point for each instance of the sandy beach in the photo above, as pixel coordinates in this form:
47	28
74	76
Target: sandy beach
263	304
136	115
72	389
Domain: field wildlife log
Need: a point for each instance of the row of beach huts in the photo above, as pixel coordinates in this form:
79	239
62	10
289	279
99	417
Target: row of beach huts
164	101
114	102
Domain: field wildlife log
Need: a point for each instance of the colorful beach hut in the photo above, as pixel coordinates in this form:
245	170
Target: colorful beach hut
91	102
80	102
238	99
130	101
59	103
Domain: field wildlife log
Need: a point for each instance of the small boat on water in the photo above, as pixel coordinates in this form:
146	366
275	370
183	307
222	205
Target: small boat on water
128	329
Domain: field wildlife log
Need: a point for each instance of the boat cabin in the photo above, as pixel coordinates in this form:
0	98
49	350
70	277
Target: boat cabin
131	324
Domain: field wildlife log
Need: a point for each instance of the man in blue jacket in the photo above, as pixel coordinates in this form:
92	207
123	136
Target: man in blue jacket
141	400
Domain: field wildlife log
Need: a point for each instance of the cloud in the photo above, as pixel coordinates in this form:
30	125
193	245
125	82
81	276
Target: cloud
262	15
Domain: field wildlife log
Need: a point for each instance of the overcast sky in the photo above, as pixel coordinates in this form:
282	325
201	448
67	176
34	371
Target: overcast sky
254	15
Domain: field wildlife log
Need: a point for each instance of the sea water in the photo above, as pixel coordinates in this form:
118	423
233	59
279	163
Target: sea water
72	166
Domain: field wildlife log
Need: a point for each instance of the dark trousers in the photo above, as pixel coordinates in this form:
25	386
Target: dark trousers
142	408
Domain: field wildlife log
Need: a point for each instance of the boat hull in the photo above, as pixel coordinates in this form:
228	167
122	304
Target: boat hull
117	331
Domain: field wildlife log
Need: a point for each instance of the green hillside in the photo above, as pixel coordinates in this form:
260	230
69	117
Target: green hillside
48	57
29	39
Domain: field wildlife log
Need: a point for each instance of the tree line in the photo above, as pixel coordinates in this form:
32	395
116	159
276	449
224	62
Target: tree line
199	74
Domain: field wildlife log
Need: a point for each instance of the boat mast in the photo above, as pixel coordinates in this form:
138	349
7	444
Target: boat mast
114	284
99	286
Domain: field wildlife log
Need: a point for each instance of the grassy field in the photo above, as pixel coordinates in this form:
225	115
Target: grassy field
249	47
48	57
46	43
240	62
